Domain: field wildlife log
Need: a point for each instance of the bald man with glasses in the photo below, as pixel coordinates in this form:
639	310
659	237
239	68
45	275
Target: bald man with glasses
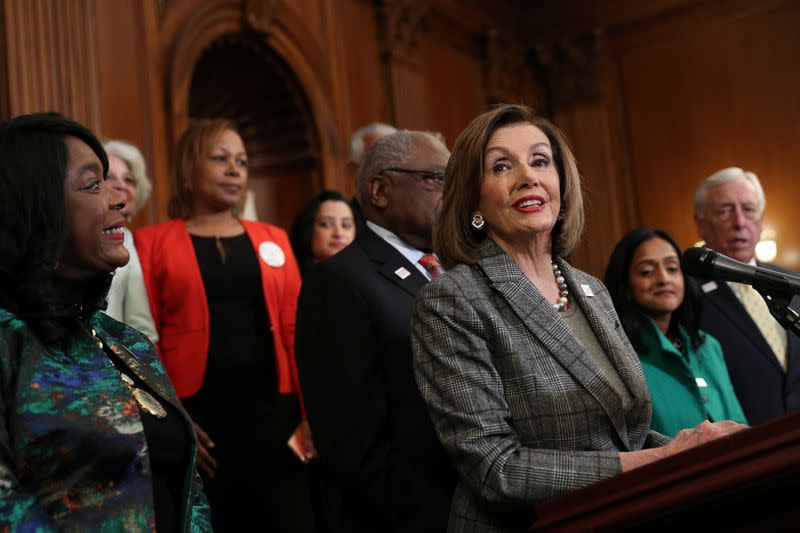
353	349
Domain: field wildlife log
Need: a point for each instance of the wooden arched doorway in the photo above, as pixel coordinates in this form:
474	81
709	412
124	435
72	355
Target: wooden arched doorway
239	77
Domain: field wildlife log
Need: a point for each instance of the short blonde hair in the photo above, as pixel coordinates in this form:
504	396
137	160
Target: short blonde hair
131	156
454	239
191	146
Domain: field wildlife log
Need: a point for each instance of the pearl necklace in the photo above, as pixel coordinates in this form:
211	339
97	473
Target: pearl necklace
561	304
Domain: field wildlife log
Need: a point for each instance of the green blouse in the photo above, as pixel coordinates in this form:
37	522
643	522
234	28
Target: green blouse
685	391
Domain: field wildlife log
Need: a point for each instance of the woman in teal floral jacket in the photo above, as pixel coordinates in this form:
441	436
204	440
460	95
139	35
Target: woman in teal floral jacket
92	436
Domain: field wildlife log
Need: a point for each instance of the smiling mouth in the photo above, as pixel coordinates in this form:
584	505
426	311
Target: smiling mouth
113	231
528	202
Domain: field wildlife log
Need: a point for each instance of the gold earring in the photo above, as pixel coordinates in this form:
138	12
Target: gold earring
477	221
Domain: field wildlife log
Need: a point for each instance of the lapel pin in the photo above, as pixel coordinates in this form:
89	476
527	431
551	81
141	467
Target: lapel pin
709	286
587	290
402	273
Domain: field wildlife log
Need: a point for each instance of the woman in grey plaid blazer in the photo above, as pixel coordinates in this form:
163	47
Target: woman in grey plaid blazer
531	383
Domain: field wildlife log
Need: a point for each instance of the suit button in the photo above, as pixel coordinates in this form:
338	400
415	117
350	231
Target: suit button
705	398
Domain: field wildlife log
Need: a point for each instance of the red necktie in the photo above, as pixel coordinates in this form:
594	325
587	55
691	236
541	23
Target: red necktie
431	264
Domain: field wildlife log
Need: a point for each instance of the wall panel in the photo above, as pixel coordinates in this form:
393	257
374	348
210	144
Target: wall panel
456	88
720	92
51	58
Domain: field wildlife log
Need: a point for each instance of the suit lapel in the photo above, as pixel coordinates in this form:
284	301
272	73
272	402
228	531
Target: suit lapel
729	305
543	322
132	357
624	358
391	263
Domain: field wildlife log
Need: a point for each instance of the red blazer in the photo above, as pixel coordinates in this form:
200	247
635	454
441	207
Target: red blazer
180	309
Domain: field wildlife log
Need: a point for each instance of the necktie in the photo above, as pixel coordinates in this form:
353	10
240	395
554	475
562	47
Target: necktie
431	264
757	308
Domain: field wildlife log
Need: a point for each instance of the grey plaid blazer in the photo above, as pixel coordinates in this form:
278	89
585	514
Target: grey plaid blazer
522	409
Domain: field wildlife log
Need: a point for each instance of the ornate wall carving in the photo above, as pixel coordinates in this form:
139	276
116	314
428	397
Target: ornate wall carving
507	72
571	70
401	26
259	15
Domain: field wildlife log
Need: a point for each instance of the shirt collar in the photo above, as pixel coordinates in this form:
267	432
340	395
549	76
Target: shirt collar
409	252
666	344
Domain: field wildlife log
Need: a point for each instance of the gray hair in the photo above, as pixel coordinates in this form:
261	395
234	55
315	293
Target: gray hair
357	139
724	176
393	150
135	161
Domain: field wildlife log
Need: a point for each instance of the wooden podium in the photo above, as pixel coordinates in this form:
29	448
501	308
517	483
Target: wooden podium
744	482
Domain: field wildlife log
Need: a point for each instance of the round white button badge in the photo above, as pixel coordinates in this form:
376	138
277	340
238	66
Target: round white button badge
272	254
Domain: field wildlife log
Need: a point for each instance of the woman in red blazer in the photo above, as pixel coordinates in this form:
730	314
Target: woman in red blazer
223	293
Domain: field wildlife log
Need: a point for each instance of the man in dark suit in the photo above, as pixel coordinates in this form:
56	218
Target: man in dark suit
763	358
371	429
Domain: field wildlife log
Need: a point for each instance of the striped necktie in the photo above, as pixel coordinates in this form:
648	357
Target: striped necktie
432	265
757	308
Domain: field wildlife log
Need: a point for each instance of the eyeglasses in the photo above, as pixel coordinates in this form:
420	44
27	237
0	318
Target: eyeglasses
430	179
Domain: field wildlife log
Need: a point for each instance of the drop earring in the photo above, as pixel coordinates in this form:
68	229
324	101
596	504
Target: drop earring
477	221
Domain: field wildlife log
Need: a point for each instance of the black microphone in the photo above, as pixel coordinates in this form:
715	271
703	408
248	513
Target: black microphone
706	263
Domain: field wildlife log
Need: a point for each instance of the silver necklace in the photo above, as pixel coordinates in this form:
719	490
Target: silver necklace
561	304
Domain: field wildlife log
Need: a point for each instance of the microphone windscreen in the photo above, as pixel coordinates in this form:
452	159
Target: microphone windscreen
698	262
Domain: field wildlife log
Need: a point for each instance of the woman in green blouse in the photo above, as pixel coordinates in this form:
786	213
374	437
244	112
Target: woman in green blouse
659	309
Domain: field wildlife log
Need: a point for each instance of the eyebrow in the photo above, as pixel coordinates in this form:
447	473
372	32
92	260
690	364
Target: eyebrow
92	165
736	202
228	151
533	147
656	261
334	217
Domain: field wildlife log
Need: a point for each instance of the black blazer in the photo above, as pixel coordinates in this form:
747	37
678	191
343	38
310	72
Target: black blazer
764	390
371	428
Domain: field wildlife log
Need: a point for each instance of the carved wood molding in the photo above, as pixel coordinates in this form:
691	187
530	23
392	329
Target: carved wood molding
189	26
259	15
506	68
51	59
571	71
401	26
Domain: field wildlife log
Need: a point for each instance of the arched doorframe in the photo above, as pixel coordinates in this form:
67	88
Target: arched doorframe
198	24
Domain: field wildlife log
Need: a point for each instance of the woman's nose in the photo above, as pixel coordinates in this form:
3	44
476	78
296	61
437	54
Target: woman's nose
232	169
527	178
117	199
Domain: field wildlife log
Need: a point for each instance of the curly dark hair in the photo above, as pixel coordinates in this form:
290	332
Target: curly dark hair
34	223
630	313
302	229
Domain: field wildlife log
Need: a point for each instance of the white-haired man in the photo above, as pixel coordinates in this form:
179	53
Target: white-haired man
763	358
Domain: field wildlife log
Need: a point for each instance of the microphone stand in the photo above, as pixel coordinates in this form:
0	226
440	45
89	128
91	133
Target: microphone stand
778	302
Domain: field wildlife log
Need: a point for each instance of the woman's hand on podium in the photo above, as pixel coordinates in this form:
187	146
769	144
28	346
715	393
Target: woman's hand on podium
686	439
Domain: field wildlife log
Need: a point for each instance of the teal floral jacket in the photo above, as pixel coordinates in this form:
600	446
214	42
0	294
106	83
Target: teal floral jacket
73	453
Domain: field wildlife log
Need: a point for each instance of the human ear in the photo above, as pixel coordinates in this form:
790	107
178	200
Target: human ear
379	191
